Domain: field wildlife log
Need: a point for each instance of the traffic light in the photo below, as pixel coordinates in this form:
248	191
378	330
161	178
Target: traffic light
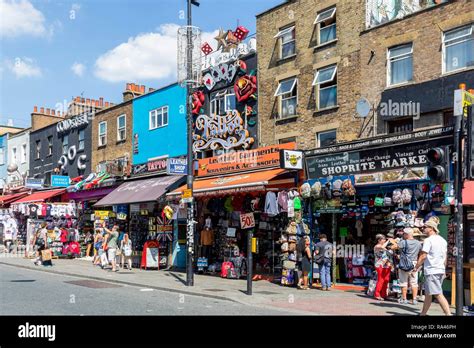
470	143
438	167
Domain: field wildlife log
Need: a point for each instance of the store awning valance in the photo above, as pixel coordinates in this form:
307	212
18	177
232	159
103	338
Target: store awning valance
40	196
236	183
468	193
10	198
139	191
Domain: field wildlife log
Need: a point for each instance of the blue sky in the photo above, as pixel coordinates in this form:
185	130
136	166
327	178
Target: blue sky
53	50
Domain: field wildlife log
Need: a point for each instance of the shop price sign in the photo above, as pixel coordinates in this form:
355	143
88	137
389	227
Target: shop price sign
247	221
188	193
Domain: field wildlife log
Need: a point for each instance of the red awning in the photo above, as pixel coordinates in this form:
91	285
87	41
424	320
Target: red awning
40	196
10	198
468	193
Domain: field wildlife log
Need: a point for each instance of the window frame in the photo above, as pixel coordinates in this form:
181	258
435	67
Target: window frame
66	136
286	96
330	83
23	153
155	111
444	45
397	58
38	149
282	32
50	145
318	134
14	155
2	156
100	142
218	98
318	22
81	142
124	128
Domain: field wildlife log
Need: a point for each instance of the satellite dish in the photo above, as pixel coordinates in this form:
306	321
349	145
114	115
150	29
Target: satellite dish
363	107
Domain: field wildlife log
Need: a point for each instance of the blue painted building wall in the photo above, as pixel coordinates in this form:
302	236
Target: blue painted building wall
168	140
3	167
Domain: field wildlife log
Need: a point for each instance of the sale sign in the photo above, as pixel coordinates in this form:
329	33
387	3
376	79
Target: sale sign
247	221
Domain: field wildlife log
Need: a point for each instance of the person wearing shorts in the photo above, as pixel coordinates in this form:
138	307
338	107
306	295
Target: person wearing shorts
410	247
433	257
112	245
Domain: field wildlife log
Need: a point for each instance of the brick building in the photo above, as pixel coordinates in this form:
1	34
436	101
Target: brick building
112	132
410	66
309	72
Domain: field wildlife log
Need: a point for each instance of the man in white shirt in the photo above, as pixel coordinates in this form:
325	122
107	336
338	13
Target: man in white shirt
433	257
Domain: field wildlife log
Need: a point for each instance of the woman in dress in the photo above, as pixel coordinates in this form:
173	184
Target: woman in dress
126	251
306	263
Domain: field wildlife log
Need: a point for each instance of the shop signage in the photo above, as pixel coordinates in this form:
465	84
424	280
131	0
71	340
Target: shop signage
102	214
154	166
121	216
177	166
462	99
187	193
72	123
378	164
260	158
247	221
60	180
34	183
291	159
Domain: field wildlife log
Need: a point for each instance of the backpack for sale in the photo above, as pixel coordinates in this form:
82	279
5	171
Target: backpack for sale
316	190
336	188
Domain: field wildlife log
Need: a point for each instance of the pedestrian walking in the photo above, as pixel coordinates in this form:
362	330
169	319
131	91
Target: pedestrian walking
89	241
110	242
409	249
433	257
324	253
126	251
40	242
383	267
299	260
98	240
306	263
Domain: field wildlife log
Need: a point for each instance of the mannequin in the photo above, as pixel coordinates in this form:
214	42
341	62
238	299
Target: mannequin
207	238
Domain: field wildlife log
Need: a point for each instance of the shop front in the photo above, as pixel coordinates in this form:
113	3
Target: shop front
237	191
363	188
138	207
468	205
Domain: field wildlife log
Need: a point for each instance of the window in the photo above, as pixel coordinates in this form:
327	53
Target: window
326	25
458	48
400	64
159	117
2	156
288	96
101	167
102	133
222	102
287	140
23	153
325	82
287	42
65	144
50	145
121	123
82	134
400	126
47	178
326	138
14	158
38	149
448	118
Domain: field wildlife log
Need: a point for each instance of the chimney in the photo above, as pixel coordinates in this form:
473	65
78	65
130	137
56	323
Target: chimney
142	89
53	112
128	93
101	101
59	113
35	109
48	111
150	89
42	111
106	104
83	100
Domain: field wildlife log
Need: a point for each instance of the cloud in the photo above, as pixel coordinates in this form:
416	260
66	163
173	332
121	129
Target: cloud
143	57
78	69
24	67
21	18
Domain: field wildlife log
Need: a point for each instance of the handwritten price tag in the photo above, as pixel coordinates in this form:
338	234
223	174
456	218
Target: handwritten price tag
247	221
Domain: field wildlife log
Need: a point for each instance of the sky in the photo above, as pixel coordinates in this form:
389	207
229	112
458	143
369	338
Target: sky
53	50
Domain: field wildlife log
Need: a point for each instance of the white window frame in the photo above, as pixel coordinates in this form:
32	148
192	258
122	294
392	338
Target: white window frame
280	35
81	142
319	20
14	155
319	88
399	57
124	128
102	142
65	150
154	114
50	145
216	100
444	45
2	156
285	96
38	149
318	134
23	153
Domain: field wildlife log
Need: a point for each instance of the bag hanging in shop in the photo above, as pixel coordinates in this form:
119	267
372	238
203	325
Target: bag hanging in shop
379	201
387	201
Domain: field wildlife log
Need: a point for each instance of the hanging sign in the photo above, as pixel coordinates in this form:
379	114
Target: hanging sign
462	99
177	166
60	180
260	158
34	183
291	159
247	221
103	214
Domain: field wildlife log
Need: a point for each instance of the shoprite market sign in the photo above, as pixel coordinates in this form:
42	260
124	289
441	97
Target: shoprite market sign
405	161
238	161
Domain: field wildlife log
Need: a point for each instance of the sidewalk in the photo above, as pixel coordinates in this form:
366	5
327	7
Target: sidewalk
265	294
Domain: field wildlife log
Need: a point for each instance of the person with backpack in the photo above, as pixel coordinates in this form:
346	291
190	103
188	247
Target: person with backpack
324	252
409	249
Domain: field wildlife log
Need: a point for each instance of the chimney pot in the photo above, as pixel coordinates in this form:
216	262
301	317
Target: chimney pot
88	101
53	112
35	109
77	99
48	111
97	104
142	89
101	100
42	110
59	113
106	104
127	88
